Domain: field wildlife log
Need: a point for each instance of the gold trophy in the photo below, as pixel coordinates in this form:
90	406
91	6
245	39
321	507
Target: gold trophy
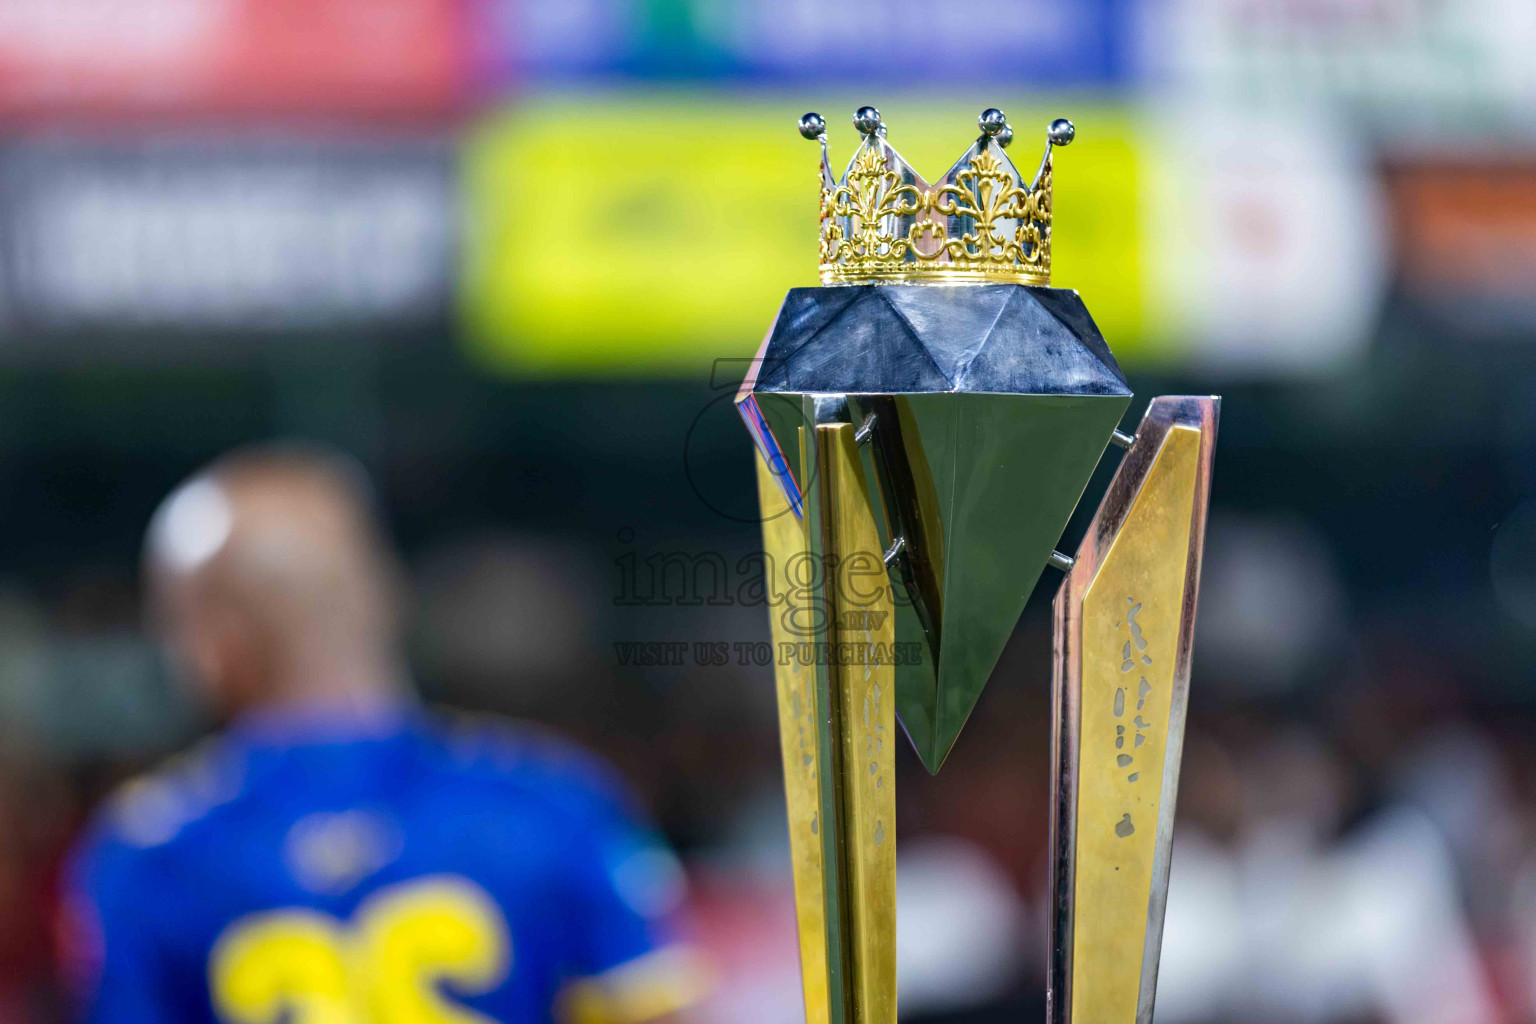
925	423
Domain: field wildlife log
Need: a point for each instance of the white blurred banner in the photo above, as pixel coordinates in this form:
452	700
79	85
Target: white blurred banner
224	235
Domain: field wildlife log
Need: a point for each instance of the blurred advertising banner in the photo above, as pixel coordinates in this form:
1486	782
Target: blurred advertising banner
1406	67
672	241
1467	230
1268	237
886	42
223	234
129	58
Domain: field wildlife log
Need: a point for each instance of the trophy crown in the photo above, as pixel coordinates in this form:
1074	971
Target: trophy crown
981	223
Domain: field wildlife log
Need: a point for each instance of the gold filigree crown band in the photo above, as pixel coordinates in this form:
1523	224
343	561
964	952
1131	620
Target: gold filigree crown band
981	223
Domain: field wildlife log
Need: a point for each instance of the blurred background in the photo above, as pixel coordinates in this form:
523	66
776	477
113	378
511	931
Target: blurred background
512	254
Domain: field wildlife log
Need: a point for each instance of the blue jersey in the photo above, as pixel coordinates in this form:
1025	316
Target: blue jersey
415	873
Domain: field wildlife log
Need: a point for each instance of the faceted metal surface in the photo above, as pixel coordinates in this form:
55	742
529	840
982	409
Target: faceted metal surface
920	339
1125	617
837	737
983	410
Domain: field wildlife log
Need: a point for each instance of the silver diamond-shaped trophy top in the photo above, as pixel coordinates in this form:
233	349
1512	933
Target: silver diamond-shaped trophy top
989	406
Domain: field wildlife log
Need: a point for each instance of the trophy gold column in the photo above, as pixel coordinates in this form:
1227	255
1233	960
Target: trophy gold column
925	424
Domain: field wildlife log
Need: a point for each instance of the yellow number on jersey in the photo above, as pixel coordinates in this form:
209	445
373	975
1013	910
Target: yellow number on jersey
384	968
284	961
416	935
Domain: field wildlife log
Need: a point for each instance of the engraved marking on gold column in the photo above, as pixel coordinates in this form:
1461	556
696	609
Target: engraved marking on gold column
1130	630
784	540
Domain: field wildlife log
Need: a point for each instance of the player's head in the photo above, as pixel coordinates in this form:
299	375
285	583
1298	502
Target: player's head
269	578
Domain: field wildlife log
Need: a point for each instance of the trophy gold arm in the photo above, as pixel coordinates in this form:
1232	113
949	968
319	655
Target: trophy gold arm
833	633
1124	626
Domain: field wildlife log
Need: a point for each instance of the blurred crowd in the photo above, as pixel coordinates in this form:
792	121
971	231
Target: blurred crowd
495	248
1358	848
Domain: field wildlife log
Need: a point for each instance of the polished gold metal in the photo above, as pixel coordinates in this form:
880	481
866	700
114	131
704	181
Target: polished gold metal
863	714
1124	629
784	541
979	198
837	733
1130	633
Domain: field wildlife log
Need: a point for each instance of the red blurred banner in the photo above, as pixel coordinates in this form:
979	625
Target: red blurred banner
1465	230
126	59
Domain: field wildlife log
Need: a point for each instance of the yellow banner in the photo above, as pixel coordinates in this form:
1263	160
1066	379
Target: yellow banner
611	234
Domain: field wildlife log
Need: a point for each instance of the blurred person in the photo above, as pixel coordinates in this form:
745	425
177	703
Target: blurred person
337	855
